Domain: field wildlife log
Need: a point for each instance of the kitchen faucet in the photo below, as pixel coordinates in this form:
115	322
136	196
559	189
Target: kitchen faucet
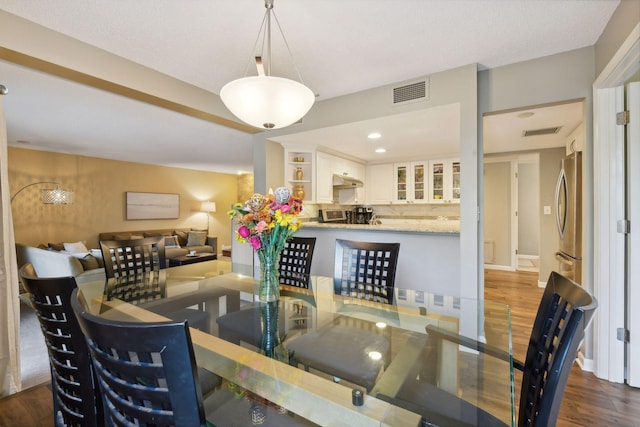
374	220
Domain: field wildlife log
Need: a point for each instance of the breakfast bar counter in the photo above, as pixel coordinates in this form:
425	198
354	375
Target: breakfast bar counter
429	258
430	226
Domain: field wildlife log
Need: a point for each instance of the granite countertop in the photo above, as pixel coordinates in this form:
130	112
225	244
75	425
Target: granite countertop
413	226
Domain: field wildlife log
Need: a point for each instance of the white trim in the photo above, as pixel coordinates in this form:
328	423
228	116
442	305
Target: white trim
633	243
512	217
499	267
608	287
542	284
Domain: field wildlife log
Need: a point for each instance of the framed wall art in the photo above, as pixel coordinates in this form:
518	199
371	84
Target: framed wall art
152	206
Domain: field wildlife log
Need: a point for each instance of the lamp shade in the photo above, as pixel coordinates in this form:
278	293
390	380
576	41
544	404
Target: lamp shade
208	207
267	102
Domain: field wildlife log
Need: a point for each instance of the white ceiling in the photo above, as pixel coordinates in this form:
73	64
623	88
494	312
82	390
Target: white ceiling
340	47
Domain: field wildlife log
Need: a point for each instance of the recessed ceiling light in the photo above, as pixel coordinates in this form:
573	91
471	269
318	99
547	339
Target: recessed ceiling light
526	114
380	150
374	135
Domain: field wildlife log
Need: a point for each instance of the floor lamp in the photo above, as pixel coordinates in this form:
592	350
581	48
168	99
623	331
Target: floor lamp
208	207
50	196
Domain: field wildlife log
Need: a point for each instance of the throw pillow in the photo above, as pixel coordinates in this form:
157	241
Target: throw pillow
76	247
171	242
196	238
182	237
56	246
89	262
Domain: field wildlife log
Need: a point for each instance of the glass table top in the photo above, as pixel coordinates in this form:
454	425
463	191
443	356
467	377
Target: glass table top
319	354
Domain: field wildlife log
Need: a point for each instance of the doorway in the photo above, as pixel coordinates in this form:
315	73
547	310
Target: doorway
512	205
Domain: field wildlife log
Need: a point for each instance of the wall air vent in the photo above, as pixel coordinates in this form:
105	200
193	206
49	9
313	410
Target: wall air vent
545	131
413	92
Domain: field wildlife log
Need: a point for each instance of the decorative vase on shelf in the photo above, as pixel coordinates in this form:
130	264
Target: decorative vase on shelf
298	191
299	174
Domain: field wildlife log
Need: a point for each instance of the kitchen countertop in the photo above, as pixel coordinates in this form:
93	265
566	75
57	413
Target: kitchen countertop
396	225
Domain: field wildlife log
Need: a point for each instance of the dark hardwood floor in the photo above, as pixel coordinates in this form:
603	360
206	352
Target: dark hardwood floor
588	401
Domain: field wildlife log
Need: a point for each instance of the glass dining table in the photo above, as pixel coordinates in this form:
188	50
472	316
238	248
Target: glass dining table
323	358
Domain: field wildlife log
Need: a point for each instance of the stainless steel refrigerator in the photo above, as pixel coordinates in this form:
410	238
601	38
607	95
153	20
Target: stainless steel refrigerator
569	217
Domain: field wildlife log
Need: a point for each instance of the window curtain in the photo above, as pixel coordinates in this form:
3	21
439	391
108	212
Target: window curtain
9	303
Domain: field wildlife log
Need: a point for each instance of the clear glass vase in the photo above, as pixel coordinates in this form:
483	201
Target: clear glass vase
269	289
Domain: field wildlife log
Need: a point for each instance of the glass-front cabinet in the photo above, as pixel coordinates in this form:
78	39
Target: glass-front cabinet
410	182
444	179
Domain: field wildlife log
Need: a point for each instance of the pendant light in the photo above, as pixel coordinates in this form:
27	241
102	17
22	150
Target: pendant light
265	101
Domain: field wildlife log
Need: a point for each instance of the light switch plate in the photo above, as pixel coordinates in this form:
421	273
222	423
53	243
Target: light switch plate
547	210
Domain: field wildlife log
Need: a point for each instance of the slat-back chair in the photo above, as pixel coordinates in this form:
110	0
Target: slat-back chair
76	397
362	270
295	261
366	269
130	258
148	376
565	311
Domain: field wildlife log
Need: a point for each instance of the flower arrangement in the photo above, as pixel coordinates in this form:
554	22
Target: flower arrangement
267	222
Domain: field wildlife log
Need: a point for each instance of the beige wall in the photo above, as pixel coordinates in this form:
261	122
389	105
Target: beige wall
497	210
100	186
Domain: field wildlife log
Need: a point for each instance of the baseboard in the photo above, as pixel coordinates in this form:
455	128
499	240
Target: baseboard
542	284
585	364
499	267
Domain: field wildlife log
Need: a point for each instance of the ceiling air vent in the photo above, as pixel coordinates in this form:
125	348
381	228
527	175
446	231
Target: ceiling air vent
545	131
411	93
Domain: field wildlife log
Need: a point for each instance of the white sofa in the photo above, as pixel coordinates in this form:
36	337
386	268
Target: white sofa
50	263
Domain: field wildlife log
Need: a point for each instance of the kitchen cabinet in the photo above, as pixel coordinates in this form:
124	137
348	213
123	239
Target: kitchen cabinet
299	173
327	165
575	141
324	178
379	184
444	181
410	182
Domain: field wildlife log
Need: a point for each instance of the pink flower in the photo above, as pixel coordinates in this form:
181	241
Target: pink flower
244	231
255	242
261	226
284	208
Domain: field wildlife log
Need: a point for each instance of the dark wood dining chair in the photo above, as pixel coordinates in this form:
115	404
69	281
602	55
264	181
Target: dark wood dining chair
565	311
295	261
365	269
76	397
148	376
130	258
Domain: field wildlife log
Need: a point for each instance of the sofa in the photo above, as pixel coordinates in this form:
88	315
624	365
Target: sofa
49	262
178	241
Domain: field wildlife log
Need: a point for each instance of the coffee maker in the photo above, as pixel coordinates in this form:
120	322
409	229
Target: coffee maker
362	214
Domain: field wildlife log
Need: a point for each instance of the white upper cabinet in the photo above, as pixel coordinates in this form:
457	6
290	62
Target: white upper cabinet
326	165
324	178
379	184
444	181
410	182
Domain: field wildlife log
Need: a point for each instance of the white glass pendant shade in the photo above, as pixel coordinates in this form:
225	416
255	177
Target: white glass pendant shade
267	102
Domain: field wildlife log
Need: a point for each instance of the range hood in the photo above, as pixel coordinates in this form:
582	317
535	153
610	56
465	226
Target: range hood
341	182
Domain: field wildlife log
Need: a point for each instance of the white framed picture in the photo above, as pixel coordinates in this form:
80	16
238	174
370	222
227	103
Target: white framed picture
152	206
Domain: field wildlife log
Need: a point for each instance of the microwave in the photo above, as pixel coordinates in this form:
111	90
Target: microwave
332	215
